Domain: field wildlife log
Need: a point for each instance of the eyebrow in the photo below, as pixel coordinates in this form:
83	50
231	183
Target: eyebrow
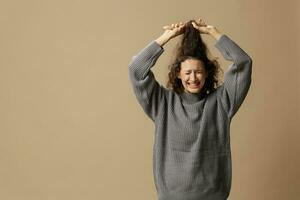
194	70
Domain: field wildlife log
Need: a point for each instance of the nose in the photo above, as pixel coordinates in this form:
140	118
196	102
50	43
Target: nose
193	76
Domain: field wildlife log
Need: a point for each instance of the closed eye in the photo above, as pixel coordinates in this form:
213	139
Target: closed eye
196	72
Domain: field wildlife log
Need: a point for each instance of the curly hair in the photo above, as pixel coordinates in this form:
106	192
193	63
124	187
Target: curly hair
193	47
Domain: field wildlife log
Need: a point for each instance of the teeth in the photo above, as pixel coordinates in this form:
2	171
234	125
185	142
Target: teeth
194	85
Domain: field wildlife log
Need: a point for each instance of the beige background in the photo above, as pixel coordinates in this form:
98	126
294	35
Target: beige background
71	128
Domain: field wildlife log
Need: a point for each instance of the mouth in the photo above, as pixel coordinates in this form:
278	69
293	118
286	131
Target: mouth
194	85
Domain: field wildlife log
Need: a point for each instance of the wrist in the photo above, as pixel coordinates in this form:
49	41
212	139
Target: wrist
215	33
162	40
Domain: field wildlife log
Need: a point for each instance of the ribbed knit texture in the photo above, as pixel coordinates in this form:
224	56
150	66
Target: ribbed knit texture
191	152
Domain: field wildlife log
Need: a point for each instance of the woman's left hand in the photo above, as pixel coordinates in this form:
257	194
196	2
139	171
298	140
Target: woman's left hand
201	26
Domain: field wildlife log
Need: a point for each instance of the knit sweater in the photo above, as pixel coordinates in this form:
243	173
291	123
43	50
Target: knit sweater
191	151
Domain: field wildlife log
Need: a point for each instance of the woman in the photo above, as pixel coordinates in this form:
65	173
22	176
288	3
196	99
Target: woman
192	116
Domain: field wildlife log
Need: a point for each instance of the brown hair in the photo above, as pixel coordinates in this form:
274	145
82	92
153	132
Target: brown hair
192	46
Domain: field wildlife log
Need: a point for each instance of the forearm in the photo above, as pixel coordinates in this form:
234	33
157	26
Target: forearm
162	40
231	51
142	62
215	33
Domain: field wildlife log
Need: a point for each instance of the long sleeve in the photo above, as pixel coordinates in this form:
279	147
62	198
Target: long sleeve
149	93
237	78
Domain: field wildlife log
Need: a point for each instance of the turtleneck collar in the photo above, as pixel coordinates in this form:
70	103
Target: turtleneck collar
191	97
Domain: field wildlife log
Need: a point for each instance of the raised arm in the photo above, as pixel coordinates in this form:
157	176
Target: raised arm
149	93
237	78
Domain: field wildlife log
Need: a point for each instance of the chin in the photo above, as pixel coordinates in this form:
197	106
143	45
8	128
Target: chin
194	91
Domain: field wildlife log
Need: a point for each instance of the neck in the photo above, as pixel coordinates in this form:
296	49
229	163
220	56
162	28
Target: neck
192	97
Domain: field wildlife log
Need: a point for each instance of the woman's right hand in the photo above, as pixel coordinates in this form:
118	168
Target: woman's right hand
174	30
171	31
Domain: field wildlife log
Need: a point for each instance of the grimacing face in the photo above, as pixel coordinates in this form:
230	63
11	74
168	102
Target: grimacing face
192	74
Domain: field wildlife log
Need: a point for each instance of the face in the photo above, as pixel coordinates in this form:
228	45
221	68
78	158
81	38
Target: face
192	75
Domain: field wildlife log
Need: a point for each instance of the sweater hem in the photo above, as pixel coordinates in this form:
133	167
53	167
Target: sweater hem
192	196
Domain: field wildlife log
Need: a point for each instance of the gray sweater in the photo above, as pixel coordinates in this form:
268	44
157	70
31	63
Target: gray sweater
191	152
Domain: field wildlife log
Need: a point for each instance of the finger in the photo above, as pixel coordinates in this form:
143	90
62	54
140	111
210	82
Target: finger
194	24
201	22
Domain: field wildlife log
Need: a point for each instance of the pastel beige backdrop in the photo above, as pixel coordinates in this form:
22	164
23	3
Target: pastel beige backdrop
71	128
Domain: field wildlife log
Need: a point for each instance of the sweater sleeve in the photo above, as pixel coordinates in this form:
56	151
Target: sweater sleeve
237	78
149	93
